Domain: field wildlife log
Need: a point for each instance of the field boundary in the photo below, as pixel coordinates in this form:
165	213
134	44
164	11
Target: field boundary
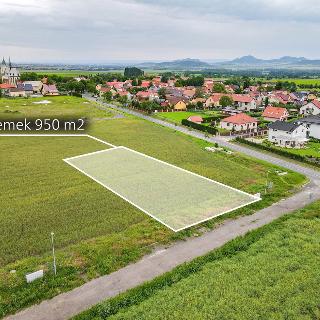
112	147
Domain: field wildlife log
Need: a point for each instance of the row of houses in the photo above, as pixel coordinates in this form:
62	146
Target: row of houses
177	98
28	89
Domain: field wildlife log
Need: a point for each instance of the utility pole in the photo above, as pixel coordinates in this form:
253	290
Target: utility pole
53	255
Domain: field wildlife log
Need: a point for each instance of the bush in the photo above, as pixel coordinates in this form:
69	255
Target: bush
198	126
280	152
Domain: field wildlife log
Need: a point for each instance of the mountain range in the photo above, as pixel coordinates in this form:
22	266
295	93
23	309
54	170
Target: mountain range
248	62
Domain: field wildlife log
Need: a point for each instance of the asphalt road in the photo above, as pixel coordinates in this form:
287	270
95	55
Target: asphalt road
75	301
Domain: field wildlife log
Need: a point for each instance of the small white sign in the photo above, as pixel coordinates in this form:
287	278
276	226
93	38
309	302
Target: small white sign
34	276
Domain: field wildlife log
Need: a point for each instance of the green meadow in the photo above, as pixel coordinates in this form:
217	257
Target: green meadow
96	232
270	273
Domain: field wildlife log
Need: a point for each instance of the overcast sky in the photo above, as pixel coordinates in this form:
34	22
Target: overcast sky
115	30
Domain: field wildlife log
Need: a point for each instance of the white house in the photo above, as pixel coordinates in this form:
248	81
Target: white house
287	134
312	125
36	85
311	108
239	122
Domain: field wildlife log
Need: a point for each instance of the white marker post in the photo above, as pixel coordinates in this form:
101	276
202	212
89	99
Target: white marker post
53	254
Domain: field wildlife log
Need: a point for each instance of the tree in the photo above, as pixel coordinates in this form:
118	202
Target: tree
199	93
162	93
149	106
226	101
123	99
107	96
134	82
31	76
133	72
91	87
219	88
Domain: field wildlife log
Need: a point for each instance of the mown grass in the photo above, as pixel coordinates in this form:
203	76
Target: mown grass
65	106
96	232
270	273
312	149
178	116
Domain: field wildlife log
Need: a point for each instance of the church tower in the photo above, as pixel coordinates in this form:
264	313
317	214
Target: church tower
3	67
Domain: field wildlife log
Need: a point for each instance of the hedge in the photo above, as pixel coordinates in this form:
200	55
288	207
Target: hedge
136	295
280	152
199	126
211	119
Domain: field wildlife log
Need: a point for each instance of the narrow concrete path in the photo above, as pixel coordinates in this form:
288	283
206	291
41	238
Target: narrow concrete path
68	304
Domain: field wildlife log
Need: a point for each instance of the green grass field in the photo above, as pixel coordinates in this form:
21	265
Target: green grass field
96	232
178	116
70	73
62	105
312	149
271	273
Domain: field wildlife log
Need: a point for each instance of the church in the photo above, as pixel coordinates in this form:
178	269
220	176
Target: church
8	73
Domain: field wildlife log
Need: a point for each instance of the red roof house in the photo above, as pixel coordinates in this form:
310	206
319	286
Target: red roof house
239	122
271	113
196	119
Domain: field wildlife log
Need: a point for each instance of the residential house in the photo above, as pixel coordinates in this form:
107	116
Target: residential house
287	134
189	92
5	88
50	90
16	92
177	103
273	114
298	97
196	119
239	122
312	96
312	125
125	94
311	108
147	96
214	100
244	102
145	84
36	86
27	88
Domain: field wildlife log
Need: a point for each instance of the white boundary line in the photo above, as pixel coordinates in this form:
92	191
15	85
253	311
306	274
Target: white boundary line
56	135
163	162
171	165
118	194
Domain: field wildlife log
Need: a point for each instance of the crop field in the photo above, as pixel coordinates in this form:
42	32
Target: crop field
299	81
271	273
70	73
96	232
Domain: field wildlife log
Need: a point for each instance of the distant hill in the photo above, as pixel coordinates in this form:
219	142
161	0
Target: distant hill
241	63
283	62
184	64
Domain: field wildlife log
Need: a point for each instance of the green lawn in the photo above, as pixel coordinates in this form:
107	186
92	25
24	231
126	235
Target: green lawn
96	232
271	273
178	116
312	149
59	106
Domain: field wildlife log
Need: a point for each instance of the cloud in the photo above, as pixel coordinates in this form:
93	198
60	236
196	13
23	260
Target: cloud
90	31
